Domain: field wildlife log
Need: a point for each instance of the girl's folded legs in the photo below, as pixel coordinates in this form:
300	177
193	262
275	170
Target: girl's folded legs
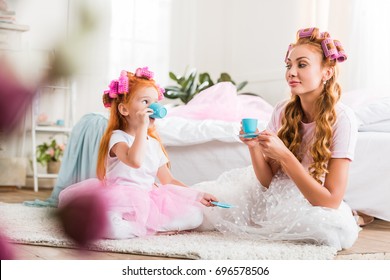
118	228
187	222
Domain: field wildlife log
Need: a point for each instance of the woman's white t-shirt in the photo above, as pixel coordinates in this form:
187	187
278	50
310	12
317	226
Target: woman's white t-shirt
345	131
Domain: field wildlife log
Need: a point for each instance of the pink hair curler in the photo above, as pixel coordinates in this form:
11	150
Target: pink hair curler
161	92
144	73
329	48
341	54
123	83
113	91
307	32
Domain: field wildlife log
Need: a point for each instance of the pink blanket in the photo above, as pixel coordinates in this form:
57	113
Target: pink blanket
221	102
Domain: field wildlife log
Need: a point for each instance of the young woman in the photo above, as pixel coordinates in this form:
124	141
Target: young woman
302	159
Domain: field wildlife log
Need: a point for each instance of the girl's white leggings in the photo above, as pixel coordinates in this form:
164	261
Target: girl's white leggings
119	228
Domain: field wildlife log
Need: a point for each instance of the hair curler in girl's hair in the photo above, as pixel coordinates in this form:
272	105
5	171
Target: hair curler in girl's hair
161	92
144	73
113	89
123	83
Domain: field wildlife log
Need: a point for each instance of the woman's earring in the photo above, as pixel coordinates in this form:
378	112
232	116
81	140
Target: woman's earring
324	82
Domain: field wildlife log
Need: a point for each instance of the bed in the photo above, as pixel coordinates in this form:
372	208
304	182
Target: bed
201	150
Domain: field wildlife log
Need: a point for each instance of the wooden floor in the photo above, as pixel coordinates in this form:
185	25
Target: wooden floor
373	242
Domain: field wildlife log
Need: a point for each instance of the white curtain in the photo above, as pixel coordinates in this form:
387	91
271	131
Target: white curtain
139	37
370	44
365	25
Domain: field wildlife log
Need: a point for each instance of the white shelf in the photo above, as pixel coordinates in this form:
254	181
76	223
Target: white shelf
10	37
58	129
14	26
54	87
69	92
48	176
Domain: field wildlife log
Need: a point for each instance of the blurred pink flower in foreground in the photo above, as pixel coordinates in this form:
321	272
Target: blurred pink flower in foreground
15	97
6	250
84	219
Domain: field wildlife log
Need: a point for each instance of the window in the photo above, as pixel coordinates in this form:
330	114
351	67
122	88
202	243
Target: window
139	37
369	45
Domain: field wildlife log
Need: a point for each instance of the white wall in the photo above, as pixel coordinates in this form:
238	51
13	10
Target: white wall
249	39
246	38
51	23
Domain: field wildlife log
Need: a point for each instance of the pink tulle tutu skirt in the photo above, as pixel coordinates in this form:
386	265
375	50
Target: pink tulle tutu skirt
149	211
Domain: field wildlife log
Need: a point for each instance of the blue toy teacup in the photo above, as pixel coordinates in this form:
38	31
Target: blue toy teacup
159	111
249	125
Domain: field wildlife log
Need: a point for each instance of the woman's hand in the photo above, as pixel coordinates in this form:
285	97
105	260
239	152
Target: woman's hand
207	199
250	142
271	145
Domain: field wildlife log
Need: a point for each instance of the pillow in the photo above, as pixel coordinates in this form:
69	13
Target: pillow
369	105
376	111
221	102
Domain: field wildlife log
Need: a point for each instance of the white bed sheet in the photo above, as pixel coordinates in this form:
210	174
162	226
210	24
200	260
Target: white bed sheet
204	162
369	180
176	131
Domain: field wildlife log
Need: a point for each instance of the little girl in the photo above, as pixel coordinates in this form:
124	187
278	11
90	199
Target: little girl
130	158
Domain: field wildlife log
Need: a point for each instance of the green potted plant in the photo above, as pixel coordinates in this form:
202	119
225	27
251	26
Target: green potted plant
49	154
190	84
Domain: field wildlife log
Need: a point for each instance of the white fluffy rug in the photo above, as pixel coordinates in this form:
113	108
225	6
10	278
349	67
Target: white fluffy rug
31	225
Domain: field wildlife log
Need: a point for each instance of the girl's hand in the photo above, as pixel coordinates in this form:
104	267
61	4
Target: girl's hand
143	117
272	146
207	199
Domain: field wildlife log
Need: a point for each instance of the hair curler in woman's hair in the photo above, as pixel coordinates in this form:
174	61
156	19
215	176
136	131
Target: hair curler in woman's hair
341	54
332	48
329	48
307	32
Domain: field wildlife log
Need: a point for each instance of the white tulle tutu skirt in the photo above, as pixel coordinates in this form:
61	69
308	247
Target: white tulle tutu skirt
278	213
